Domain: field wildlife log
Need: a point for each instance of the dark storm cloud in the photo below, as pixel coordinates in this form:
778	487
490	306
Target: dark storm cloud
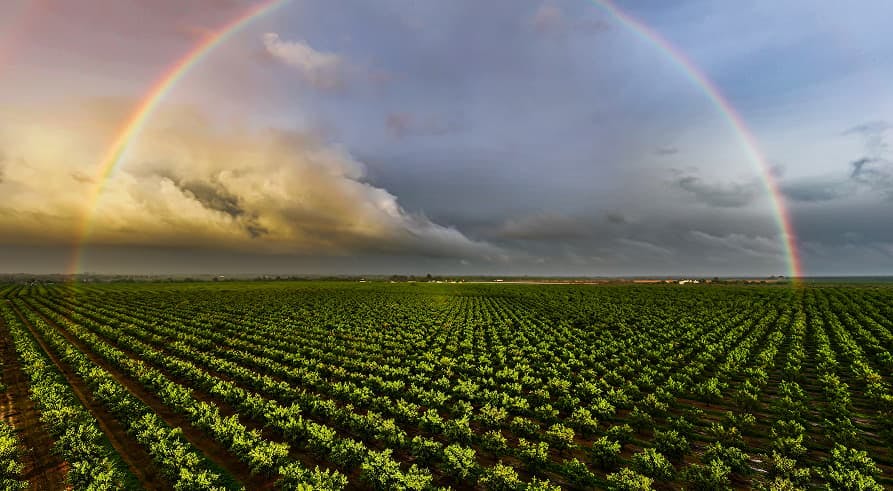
504	122
616	218
731	195
858	165
543	226
875	174
812	191
213	197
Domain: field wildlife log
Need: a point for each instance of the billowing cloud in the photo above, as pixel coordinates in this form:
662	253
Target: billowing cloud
189	184
321	70
725	195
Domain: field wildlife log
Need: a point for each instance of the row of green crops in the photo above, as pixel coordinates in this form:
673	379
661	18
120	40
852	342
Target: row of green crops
11	466
422	386
93	463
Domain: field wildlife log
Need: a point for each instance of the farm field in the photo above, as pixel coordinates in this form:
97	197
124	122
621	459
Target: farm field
336	385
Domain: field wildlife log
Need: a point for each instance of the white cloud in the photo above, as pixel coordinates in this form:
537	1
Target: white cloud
321	70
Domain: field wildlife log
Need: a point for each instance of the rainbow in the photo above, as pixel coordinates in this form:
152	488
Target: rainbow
725	107
176	71
141	114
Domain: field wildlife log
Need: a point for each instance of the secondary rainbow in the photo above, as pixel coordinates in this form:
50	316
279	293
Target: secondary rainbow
145	108
163	85
13	30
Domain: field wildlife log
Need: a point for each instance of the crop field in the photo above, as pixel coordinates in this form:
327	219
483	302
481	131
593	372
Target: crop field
336	385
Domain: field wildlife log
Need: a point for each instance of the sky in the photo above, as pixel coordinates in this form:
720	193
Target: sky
538	137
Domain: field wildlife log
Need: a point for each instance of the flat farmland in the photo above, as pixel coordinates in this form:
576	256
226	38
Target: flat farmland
337	385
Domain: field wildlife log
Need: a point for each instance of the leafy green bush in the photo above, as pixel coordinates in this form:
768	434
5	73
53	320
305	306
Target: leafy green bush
10	466
500	477
850	469
732	457
671	443
579	474
534	454
560	436
713	476
629	480
653	464
537	484
460	461
622	434
786	467
297	477
605	453
381	471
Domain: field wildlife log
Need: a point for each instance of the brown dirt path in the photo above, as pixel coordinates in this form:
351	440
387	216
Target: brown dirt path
43	468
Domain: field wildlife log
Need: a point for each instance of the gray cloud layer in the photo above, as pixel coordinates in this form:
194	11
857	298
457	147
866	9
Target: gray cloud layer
520	136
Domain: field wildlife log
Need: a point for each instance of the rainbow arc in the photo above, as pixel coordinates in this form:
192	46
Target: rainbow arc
143	111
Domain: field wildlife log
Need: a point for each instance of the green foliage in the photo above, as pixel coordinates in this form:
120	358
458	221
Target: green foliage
579	474
296	477
537	484
560	436
628	480
670	443
733	457
381	471
10	466
850	469
494	441
534	454
640	419
400	386
653	464
500	477
785	470
460	461
605	453
583	420
622	433
712	476
525	427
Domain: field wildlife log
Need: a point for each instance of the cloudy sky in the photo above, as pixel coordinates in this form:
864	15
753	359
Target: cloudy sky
536	137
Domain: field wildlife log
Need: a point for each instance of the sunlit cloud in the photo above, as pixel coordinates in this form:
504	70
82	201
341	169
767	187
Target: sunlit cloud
191	183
